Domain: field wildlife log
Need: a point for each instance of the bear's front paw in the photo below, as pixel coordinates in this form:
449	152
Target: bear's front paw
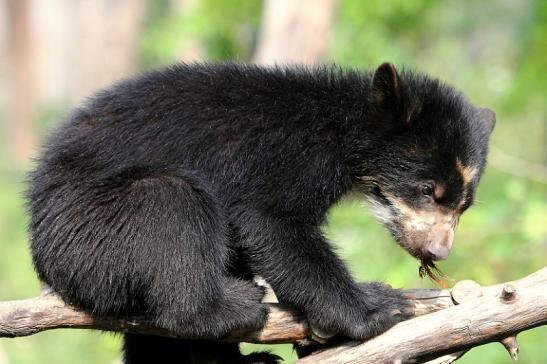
376	308
384	307
378	295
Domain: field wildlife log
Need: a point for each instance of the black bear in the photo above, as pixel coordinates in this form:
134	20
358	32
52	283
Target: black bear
166	194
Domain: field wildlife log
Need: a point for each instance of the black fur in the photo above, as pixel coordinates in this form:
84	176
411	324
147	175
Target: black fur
143	349
164	194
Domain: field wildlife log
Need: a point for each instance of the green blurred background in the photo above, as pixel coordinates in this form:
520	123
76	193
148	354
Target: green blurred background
53	53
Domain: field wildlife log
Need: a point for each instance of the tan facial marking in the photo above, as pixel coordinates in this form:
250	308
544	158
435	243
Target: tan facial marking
425	230
421	219
467	174
439	191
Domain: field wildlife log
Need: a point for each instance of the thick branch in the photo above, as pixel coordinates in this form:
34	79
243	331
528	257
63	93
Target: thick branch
483	315
495	313
48	311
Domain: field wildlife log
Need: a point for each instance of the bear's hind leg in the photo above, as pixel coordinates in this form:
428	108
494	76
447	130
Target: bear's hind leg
185	255
142	241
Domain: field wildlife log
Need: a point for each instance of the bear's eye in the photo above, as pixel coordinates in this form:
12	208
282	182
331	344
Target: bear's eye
427	189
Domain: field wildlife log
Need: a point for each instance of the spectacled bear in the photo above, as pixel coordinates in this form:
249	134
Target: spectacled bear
165	194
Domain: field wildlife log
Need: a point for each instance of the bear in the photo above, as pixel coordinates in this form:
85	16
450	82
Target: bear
164	196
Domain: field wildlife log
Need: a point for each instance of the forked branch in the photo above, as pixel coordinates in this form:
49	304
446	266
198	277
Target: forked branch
449	322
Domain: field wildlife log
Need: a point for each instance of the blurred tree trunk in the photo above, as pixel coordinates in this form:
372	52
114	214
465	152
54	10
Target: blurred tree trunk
21	99
294	31
104	42
83	45
61	51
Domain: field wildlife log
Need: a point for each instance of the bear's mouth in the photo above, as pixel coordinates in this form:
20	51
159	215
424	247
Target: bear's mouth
429	269
392	218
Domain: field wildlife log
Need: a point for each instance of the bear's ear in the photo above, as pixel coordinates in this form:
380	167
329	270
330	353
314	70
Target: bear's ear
389	93
488	117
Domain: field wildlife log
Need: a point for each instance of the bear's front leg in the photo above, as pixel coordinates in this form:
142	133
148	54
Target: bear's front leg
298	262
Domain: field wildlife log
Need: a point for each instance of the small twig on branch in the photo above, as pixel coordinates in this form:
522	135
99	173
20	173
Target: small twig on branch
481	315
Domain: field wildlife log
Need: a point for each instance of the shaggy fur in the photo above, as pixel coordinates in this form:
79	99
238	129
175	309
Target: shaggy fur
166	193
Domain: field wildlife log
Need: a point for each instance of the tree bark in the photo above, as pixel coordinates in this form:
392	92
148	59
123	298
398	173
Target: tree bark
495	313
450	321
48	311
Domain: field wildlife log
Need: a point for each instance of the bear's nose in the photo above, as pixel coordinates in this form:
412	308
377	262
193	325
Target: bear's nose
439	242
437	251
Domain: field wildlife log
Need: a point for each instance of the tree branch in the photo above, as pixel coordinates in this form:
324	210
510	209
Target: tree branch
48	311
481	315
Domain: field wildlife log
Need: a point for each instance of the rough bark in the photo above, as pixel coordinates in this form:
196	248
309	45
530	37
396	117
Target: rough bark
48	311
495	313
449	322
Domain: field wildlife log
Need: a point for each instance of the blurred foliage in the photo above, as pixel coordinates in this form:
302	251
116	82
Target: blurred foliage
219	30
494	51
